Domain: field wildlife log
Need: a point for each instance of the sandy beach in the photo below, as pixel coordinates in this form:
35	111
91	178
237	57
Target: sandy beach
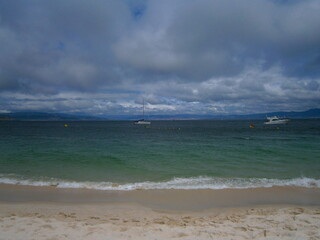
128	221
83	214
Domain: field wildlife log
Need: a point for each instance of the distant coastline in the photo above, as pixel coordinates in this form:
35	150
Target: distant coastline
44	116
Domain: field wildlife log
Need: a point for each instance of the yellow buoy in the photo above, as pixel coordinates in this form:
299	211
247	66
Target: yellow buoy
66	125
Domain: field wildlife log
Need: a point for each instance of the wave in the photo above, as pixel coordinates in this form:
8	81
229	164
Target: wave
175	183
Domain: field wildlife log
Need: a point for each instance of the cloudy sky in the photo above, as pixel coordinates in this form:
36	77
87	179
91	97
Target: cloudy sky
104	57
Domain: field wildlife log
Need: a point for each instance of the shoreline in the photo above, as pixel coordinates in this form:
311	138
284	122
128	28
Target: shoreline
52	213
170	199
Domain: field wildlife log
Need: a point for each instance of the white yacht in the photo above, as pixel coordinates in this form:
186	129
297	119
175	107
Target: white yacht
142	121
276	120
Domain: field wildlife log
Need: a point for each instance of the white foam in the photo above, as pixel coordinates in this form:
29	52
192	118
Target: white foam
175	183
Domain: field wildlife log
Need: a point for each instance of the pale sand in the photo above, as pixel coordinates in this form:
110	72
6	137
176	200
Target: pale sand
56	221
48	213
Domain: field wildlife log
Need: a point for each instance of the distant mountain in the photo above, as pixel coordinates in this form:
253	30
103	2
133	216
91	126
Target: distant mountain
42	116
312	113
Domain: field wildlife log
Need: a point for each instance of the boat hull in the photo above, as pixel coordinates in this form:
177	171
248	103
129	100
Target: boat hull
283	121
142	123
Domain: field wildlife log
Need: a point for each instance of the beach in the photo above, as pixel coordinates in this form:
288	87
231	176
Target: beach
112	221
91	214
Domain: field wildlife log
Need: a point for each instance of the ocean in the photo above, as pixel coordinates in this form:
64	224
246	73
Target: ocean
118	155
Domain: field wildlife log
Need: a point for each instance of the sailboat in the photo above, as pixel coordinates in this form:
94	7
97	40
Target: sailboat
142	121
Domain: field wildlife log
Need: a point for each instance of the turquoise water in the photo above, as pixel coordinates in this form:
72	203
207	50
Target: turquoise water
166	154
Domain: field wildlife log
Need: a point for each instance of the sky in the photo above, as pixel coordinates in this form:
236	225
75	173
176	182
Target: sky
105	57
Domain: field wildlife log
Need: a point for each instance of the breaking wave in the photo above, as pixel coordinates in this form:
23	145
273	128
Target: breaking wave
175	183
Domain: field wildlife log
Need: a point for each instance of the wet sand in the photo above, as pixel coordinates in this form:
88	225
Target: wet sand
166	199
52	213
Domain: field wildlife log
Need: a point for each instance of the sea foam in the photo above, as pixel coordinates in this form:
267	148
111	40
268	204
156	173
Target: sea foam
175	183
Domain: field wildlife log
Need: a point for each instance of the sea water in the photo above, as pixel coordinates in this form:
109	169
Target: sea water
118	155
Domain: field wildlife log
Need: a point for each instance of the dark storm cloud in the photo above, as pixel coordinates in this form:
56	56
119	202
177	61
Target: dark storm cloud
59	44
202	56
201	39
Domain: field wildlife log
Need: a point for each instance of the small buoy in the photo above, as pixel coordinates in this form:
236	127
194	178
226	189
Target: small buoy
66	125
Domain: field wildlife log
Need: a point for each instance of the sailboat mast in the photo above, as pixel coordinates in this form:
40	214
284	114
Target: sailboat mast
142	121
